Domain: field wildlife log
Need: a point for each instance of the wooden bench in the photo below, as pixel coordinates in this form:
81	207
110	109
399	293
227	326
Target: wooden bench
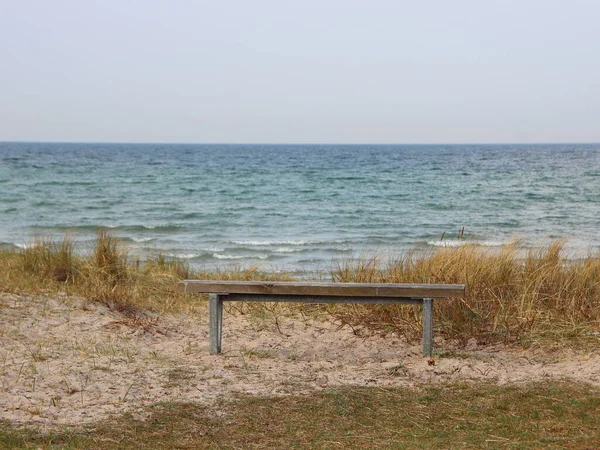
365	293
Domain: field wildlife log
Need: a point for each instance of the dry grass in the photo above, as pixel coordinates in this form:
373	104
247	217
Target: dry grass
538	415
512	294
105	274
509	296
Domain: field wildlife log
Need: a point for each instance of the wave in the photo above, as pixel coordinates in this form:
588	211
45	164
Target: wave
73	227
268	243
459	243
150	227
340	250
283	243
66	183
184	255
98	227
142	239
11	245
213	249
238	257
287	250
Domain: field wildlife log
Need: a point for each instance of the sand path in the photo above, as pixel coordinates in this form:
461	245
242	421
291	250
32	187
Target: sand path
63	361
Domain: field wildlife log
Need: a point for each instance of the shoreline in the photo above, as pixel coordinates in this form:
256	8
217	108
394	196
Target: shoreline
274	260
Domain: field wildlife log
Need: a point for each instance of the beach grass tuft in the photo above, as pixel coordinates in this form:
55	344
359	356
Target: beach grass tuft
105	273
50	259
512	293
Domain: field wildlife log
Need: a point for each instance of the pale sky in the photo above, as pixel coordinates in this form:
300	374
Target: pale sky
307	71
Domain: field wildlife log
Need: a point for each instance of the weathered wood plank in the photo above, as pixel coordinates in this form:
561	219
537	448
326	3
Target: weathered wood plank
325	289
321	299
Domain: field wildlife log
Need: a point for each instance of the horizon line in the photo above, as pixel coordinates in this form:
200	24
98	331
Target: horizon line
298	143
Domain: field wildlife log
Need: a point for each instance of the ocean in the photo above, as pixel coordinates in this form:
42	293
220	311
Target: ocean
299	208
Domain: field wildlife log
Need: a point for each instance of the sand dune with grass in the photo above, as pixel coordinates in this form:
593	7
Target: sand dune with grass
65	360
87	335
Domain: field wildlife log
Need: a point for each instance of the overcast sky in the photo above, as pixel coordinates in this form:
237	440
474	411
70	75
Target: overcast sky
307	71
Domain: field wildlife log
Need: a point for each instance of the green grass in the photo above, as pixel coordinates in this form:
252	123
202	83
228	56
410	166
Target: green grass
541	415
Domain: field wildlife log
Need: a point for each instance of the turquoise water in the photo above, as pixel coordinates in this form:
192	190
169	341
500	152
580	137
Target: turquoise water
299	207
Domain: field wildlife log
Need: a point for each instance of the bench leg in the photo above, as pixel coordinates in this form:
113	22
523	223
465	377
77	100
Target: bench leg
427	327
215	325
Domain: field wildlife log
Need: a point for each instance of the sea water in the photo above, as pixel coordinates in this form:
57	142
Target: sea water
299	207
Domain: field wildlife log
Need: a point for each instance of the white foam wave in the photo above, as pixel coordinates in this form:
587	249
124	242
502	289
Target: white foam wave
183	255
144	239
213	249
237	257
458	243
301	242
269	243
286	250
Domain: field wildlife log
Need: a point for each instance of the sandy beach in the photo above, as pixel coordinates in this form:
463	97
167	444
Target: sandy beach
64	360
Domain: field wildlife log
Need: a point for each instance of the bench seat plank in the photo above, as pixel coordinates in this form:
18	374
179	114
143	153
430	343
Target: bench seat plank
323	289
321	299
